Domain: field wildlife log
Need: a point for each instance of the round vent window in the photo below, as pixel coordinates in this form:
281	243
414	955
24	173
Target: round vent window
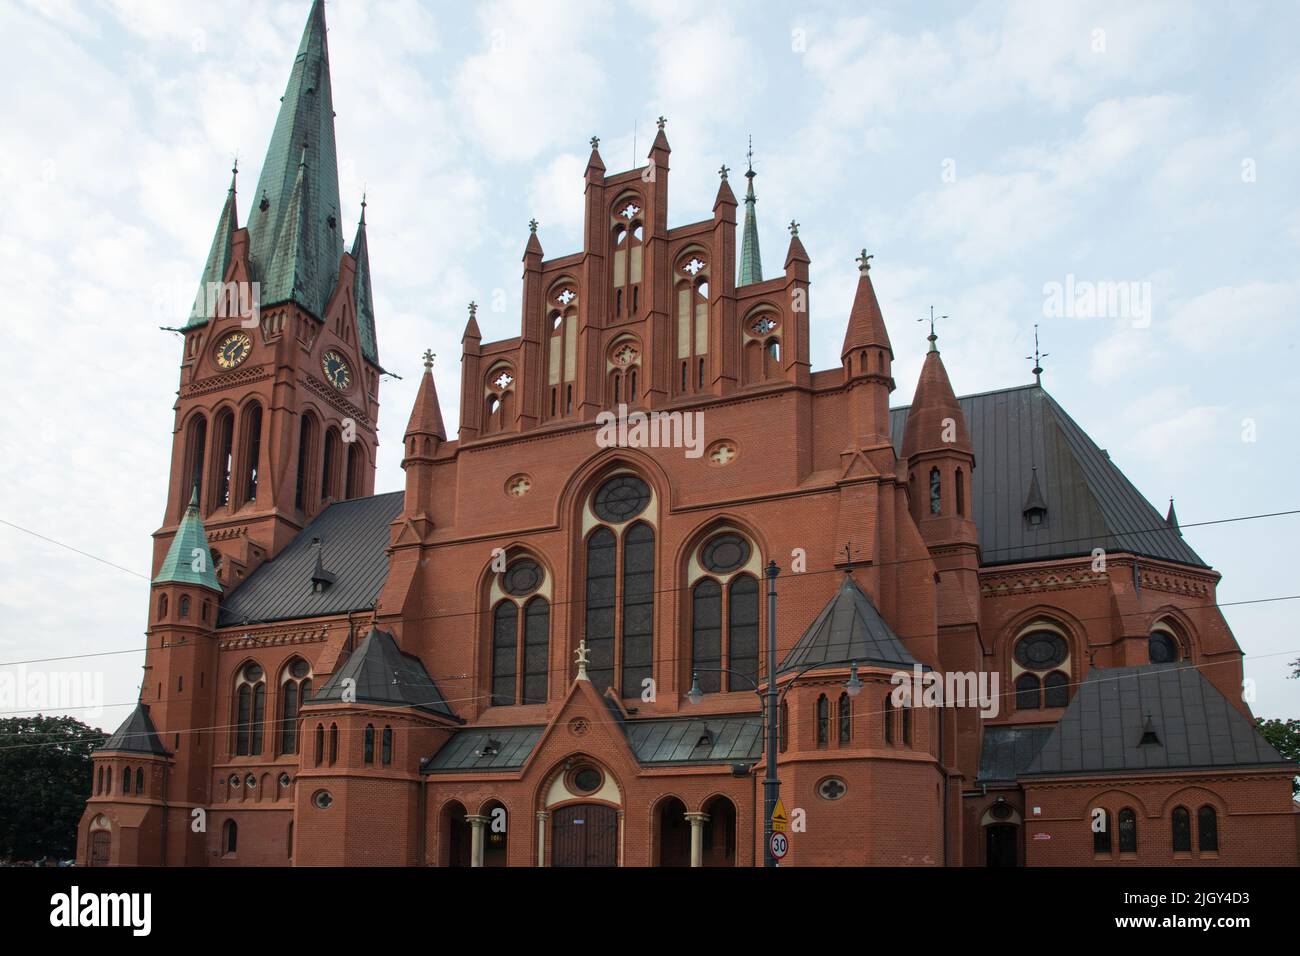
725	553
832	788
1041	650
586	780
252	673
299	668
1000	811
322	799
1161	648
523	577
621	499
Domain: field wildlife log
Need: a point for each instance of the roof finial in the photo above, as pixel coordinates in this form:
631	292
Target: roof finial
234	172
595	142
532	226
1038	359
428	359
749	159
794	229
661	122
583	658
473	309
932	338
864	262
723	172
363	205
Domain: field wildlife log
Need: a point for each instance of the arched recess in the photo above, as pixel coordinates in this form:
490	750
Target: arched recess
331	465
307	469
499	396
1175	625
1042	673
562	305
760	336
719	836
196	442
249	458
670	832
223	451
583	801
627	238
691	273
496	835
624	382
455	835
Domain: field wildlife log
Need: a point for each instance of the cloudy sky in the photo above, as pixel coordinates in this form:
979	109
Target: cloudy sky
981	152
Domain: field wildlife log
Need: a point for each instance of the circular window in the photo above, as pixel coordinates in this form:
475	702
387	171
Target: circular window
322	799
832	788
1162	648
284	780
252	673
621	499
586	780
234	780
299	668
1000	811
725	553
522	577
1041	650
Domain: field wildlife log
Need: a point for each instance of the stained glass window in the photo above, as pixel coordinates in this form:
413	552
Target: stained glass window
1056	690
1101	837
1161	648
1041	650
1182	830
936	503
523	577
621	499
706	619
823	721
1128	832
638	607
537	626
504	647
1207	828
725	553
742	629
601	596
1027	692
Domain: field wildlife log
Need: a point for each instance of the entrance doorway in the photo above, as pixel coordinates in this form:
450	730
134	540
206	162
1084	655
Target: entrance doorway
674	834
584	834
100	842
1000	844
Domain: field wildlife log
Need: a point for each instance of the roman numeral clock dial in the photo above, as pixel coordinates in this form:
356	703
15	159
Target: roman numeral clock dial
233	349
336	370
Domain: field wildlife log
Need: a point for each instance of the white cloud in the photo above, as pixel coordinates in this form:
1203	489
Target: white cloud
1235	317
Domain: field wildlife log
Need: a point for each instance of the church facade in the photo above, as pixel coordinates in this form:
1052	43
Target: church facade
545	649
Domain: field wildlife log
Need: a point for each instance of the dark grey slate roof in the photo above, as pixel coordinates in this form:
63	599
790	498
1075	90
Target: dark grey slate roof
384	675
848	628
1090	504
354	538
1101	730
696	740
137	734
489	748
1008	751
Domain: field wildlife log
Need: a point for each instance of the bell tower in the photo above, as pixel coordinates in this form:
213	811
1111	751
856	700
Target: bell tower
277	410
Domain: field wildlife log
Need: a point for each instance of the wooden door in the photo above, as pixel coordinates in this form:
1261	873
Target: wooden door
100	847
584	834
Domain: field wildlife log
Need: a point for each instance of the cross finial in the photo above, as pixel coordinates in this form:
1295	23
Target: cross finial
864	262
932	338
723	172
583	657
749	158
595	142
532	226
428	359
661	122
473	309
1038	359
794	229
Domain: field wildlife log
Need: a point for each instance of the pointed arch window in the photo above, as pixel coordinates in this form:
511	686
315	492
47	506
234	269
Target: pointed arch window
846	718
195	446
619	586
936	497
783	732
724	615
251	453
889	719
250	707
126	779
320	744
306	458
521	636
1041	661
139	781
223	448
356	460
628	237
960	488
295	689
369	754
229	838
823	721
907	724
334	743
386	747
329	465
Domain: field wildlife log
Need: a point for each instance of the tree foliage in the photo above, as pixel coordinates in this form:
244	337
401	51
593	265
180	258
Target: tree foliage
44	784
1284	735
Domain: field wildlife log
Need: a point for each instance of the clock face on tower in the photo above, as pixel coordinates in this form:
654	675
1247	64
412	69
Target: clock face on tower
233	349
336	370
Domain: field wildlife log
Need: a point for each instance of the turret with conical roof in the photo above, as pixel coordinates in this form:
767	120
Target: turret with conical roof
219	256
751	264
868	367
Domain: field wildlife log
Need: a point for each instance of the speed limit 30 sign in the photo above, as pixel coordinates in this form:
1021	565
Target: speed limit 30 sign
779	846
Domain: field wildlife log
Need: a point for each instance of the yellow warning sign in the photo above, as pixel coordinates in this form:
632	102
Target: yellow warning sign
779	822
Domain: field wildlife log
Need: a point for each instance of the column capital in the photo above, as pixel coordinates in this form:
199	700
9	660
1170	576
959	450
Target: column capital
697	818
477	819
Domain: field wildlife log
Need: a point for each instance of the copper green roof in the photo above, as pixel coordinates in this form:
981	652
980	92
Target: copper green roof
295	238
361	293
188	559
214	270
751	266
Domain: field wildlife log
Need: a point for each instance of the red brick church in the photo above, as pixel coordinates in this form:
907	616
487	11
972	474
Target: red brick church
544	650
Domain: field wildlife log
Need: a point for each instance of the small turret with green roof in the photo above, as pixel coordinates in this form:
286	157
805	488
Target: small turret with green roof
188	559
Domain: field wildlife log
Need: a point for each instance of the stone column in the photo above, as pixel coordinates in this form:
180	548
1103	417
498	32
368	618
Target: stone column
477	822
541	837
620	861
697	821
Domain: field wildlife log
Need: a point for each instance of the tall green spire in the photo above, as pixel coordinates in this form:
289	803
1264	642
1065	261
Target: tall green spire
295	239
188	559
218	256
751	265
361	293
